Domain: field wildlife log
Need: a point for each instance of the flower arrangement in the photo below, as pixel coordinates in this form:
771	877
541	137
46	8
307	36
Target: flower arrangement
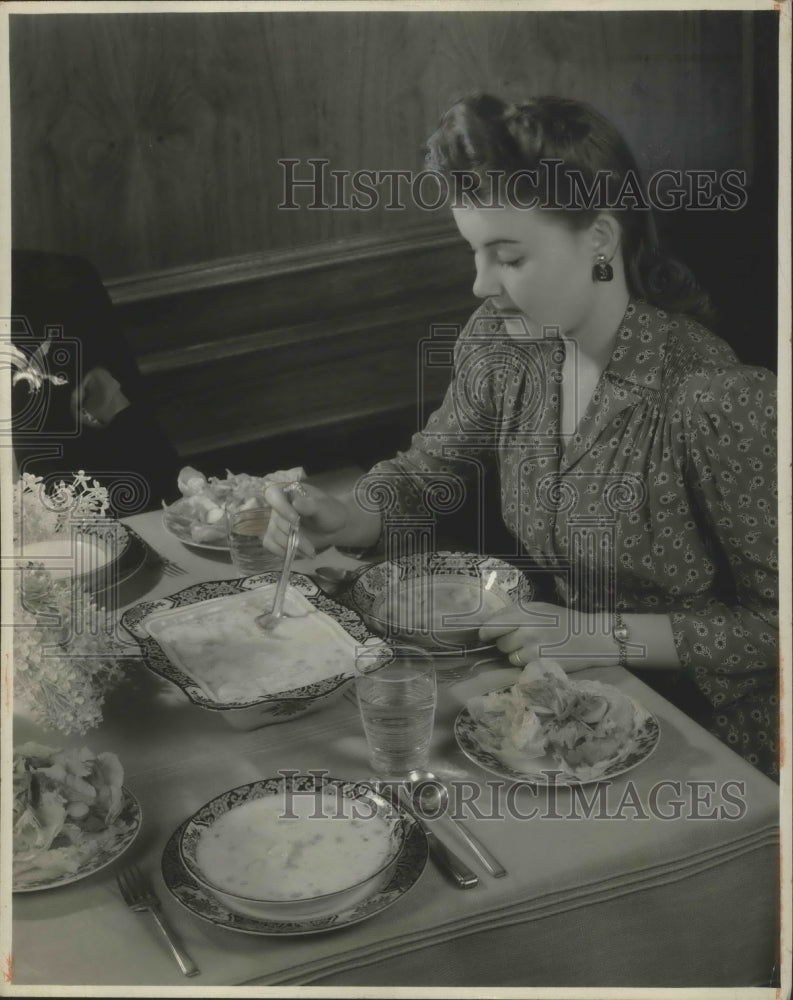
66	658
39	515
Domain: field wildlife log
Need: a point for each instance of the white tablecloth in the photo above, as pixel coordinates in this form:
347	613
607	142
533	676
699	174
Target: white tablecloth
630	900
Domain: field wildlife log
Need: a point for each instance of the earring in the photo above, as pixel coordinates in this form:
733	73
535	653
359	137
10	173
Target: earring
601	269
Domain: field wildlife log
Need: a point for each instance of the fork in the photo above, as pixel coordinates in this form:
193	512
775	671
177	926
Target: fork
170	568
139	896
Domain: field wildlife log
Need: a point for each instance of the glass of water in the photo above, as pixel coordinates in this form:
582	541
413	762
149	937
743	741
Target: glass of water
397	695
247	527
247	519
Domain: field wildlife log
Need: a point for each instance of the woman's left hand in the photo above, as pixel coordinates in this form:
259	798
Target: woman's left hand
538	629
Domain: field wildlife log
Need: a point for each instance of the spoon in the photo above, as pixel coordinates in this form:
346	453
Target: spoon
444	857
429	793
270	619
330	578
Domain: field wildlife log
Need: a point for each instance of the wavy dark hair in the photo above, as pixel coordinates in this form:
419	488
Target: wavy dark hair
481	138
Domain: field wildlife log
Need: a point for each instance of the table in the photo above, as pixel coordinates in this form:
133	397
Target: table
610	899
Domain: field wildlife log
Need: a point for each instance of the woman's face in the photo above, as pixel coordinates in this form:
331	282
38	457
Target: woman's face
530	263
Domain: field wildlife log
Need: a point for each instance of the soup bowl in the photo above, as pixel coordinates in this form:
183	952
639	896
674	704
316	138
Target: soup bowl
294	847
437	600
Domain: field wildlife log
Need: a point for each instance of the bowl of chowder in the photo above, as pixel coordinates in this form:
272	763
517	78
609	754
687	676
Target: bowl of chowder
438	600
294	847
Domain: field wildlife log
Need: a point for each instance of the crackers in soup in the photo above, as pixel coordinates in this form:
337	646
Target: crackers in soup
294	847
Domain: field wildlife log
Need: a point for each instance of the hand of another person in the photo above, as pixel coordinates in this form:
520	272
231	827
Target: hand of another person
98	398
321	517
538	629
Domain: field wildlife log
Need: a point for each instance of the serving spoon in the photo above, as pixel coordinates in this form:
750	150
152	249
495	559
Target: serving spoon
428	793
270	618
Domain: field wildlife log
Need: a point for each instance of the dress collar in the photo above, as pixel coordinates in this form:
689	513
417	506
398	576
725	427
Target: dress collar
640	346
637	360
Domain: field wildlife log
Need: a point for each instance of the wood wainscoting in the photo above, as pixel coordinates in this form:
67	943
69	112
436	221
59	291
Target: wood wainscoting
310	356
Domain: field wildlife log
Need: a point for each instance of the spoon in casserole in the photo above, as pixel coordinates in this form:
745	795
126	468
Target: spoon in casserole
270	618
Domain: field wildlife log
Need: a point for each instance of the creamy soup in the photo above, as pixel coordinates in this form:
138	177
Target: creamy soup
233	659
442	602
288	847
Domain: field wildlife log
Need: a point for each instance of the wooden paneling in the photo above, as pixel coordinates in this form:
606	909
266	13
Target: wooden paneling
148	141
266	347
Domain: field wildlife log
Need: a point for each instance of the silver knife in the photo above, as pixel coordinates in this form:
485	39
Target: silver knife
443	855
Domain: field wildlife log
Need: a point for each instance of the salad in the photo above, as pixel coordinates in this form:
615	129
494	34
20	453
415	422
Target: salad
200	514
68	809
585	726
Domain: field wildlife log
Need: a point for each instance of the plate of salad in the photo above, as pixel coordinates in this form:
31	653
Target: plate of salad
72	815
198	517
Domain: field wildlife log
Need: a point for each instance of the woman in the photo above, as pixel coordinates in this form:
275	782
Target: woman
635	454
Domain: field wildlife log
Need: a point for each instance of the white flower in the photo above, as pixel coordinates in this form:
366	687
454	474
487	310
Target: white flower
65	656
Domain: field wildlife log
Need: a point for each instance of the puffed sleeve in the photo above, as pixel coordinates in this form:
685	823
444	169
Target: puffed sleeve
728	641
459	437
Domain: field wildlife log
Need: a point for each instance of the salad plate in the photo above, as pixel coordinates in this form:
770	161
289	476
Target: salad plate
547	771
199	517
127	823
187	890
178	521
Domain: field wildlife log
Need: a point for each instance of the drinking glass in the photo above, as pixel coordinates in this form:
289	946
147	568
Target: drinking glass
397	695
247	519
246	529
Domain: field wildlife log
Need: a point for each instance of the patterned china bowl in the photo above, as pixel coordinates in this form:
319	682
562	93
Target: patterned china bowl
241	710
294	847
437	600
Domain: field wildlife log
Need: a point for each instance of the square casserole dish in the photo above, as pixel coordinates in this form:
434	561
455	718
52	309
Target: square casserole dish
198	637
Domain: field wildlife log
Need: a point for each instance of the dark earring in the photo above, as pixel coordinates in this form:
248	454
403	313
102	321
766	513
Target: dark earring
601	269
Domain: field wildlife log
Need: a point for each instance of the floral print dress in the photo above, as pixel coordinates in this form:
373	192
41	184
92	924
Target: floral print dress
662	501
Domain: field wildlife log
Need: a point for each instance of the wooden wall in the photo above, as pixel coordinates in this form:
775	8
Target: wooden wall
149	144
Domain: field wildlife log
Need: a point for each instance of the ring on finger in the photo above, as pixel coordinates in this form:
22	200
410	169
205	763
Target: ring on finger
514	658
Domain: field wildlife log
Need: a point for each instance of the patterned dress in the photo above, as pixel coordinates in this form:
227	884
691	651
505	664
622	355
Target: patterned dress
662	501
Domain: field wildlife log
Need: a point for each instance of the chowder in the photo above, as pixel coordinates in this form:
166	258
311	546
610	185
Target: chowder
294	847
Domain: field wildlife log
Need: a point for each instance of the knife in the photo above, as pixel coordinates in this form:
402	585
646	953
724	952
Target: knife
444	857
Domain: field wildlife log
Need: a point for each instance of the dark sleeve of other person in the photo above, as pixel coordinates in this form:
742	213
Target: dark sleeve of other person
63	298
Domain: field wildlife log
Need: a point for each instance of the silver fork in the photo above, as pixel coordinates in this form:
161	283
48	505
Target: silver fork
139	896
170	568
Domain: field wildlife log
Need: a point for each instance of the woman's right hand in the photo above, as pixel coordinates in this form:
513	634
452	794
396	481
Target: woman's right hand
321	517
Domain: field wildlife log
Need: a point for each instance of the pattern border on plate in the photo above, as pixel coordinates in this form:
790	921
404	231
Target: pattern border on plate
104	858
288	702
127	561
648	735
187	891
